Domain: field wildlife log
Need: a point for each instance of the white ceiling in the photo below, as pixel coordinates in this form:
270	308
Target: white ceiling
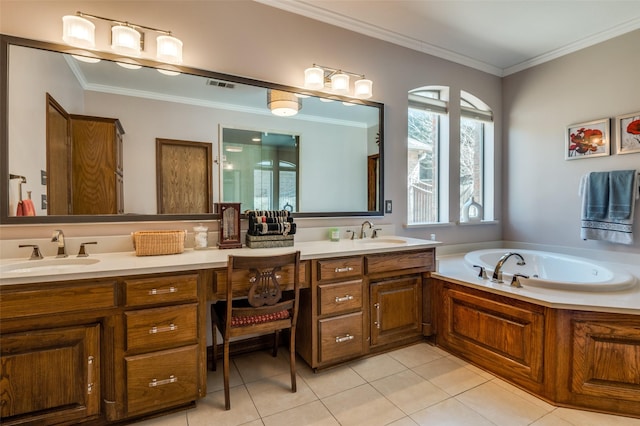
498	37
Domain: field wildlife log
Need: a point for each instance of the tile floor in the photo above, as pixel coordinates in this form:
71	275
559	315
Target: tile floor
416	385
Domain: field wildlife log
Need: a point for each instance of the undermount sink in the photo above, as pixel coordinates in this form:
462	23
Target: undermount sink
48	265
381	241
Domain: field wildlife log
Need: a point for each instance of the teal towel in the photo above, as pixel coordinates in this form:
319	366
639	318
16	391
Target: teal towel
621	192
597	196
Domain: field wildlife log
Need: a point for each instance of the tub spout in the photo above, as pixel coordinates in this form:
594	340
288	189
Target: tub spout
497	271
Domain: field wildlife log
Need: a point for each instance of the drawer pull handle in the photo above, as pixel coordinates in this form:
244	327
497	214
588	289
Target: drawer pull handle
377	322
171	289
344	298
154	382
156	330
90	368
345	338
345	269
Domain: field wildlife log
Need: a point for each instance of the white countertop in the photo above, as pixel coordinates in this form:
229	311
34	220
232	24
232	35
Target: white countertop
455	268
127	263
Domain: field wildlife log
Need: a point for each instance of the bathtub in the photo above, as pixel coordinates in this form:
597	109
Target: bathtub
554	270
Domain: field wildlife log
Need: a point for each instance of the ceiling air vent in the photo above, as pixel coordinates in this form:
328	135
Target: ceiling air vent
219	83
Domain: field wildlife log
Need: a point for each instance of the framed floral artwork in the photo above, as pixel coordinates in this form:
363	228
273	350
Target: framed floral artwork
628	133
588	140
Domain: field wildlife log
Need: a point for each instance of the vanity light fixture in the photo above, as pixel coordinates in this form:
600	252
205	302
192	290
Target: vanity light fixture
126	38
283	104
319	77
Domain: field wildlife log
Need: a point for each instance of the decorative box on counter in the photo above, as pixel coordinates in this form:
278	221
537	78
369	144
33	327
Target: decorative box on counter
270	228
269	241
154	243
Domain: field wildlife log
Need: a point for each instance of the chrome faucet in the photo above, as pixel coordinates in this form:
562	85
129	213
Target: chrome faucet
362	233
497	271
58	237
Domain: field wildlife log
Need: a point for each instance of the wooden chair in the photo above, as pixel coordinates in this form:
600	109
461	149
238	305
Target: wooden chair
257	305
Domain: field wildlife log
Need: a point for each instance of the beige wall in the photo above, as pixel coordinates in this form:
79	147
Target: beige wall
253	40
540	186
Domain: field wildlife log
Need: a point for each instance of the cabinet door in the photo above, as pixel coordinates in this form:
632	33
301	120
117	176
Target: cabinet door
50	376
395	309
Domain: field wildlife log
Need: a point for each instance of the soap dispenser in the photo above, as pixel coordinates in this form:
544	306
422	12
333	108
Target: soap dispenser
471	211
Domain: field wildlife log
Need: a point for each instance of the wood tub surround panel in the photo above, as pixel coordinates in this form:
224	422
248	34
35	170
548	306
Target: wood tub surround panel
579	359
601	369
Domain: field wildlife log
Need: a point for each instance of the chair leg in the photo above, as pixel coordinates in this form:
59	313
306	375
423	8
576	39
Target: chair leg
225	368
276	338
214	334
292	358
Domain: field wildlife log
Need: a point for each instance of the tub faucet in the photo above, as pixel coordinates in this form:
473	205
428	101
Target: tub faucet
362	233
497	271
58	237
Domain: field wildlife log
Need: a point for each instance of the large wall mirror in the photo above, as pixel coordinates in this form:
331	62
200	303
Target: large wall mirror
78	133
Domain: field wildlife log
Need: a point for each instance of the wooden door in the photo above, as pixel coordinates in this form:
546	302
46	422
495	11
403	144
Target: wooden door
396	309
58	159
183	177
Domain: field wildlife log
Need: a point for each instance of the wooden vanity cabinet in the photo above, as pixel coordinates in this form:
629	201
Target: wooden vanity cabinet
161	358
331	317
96	165
396	282
362	304
52	351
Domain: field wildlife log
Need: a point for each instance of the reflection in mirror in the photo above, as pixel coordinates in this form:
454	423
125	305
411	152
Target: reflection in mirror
260	169
329	169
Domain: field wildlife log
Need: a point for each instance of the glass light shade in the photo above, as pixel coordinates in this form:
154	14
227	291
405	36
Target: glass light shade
125	40
283	104
340	83
129	66
87	59
168	72
314	78
169	49
79	32
363	89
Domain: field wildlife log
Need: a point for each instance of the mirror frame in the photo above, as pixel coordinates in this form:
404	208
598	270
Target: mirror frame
6	41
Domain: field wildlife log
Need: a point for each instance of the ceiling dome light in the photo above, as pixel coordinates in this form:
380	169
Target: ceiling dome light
340	82
79	32
169	49
314	78
283	104
125	40
363	89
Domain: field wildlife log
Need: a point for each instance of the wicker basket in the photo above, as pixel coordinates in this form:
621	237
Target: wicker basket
153	243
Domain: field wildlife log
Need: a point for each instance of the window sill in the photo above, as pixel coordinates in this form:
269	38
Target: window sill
428	225
482	222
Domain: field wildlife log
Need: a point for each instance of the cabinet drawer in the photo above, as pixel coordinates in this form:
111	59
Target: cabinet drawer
340	297
161	328
151	291
161	379
340	337
57	298
377	263
332	269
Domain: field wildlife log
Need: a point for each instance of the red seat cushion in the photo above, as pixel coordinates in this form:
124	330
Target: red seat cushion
258	319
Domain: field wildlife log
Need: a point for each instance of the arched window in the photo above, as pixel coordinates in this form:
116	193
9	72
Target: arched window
476	137
426	114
